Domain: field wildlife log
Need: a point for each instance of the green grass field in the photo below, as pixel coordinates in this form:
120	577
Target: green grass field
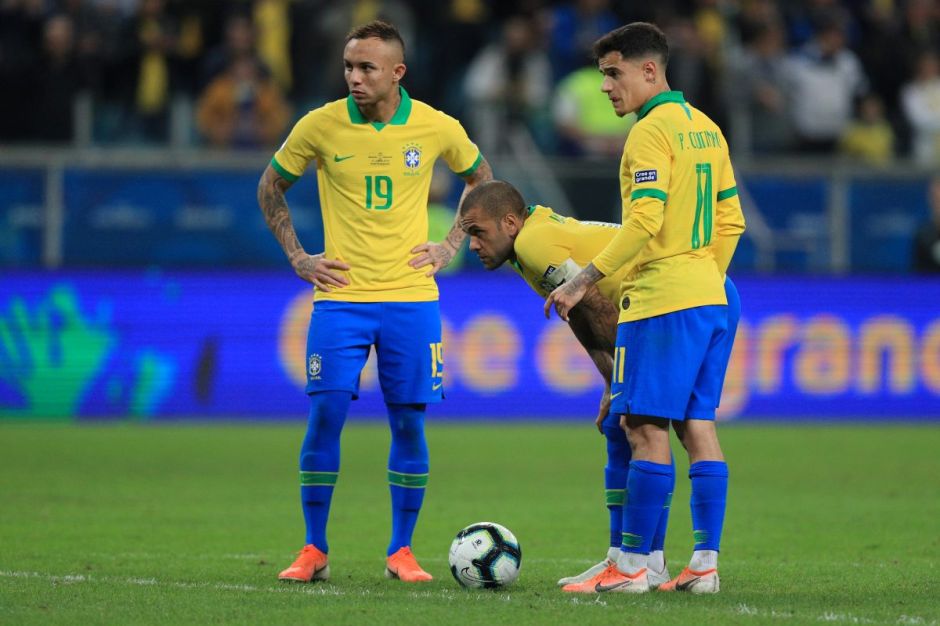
172	524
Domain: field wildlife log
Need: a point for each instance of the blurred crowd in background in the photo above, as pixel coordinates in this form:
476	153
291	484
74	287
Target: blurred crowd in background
860	78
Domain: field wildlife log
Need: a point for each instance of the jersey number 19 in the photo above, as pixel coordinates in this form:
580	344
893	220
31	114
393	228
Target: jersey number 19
378	190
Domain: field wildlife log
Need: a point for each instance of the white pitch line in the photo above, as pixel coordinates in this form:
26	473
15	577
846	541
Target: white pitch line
324	589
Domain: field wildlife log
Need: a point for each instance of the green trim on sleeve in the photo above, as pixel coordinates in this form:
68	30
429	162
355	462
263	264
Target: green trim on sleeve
648	193
727	193
282	172
470	170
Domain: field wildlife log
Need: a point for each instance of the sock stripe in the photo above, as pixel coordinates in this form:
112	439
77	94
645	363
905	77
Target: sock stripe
668	500
632	541
318	479
700	536
411	481
616	497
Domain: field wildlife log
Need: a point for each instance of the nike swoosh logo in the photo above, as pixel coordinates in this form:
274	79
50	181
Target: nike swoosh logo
436	386
685	586
614	395
337	158
599	588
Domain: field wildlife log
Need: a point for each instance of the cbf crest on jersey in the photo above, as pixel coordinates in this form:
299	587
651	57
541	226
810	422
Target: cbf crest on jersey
412	156
314	365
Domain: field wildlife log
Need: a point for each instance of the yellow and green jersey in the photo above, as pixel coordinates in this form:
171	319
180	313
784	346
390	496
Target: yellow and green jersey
548	243
681	212
373	182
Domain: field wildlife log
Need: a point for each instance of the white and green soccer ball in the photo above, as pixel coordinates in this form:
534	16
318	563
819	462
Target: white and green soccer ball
485	555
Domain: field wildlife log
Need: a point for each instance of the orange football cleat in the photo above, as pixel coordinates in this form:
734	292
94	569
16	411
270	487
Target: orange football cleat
403	566
311	564
612	579
694	582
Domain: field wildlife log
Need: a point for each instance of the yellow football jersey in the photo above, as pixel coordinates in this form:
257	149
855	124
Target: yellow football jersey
548	240
680	202
373	183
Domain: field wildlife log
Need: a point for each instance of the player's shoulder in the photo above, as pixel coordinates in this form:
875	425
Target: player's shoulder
425	112
542	228
650	128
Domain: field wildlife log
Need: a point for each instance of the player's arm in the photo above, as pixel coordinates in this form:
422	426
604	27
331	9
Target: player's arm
439	255
649	160
594	322
729	219
315	268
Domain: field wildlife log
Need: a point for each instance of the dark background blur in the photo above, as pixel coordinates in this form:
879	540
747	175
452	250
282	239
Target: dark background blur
832	110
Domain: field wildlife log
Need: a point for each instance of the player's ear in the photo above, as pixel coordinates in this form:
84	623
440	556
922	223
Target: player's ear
399	71
512	224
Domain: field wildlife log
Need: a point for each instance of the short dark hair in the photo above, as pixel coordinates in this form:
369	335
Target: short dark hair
632	41
496	198
379	30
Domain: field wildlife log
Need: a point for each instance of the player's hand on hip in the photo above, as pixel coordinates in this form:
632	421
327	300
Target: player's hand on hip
322	272
564	298
437	255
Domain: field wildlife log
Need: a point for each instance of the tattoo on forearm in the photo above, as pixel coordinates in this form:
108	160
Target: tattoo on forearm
587	277
277	216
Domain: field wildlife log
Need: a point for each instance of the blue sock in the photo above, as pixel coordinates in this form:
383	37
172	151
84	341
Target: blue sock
407	470
319	461
709	494
659	538
648	485
615	479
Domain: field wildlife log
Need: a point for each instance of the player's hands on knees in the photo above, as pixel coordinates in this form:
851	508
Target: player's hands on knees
564	298
322	272
437	255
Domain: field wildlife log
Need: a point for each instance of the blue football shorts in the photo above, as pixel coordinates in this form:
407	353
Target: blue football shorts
673	365
407	340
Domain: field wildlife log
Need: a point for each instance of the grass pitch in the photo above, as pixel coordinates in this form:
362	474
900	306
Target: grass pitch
186	524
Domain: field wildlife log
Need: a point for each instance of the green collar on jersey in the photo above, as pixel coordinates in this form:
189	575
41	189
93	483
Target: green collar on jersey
399	119
661	98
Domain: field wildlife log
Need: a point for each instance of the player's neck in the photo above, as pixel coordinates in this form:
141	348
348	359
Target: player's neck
383	110
656	88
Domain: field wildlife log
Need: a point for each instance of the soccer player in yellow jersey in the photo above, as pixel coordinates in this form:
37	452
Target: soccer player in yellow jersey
547	249
681	223
373	152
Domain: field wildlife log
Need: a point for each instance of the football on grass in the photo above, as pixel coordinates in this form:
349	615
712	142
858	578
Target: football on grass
485	555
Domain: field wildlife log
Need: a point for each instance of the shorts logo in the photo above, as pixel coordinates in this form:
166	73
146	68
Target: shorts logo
314	365
644	176
551	270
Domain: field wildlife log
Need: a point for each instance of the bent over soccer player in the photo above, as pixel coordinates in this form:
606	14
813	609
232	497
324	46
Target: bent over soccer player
374	152
547	249
681	223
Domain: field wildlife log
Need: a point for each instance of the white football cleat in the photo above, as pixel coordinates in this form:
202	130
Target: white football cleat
594	570
657	578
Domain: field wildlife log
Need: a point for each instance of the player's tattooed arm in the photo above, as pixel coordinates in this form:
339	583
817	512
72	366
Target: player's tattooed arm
594	322
314	268
439	255
565	297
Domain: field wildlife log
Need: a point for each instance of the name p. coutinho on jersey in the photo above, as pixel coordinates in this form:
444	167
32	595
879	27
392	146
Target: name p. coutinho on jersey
699	139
